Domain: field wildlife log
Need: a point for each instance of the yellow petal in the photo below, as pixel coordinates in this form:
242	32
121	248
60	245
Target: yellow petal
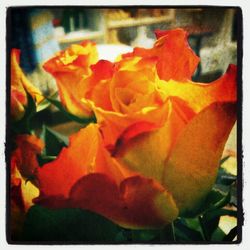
133	78
200	95
17	108
28	190
193	163
114	124
147	153
20	81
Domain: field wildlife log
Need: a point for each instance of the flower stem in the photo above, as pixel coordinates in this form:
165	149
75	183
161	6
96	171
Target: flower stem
168	233
173	231
203	229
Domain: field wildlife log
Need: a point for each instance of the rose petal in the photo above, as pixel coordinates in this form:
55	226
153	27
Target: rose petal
25	156
114	124
85	176
69	67
97	86
19	80
22	191
137	203
192	167
70	96
23	165
57	177
147	153
17	108
19	86
133	77
176	60
85	154
75	60
200	95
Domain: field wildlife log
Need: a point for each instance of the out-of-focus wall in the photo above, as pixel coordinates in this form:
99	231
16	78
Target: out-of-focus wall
216	28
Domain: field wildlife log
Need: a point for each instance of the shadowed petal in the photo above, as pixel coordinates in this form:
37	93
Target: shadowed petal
137	203
22	191
25	156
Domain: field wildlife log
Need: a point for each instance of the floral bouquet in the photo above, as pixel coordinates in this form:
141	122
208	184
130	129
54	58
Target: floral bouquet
145	164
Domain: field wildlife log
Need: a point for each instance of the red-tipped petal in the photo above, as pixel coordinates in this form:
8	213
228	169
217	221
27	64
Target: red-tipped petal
57	177
85	154
176	60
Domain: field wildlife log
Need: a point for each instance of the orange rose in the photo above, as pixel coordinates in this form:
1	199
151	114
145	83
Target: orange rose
19	86
69	67
132	101
155	151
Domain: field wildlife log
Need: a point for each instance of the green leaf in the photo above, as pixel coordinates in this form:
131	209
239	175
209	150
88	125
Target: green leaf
204	229
54	141
192	223
42	105
139	236
167	234
224	159
144	235
120	237
210	220
24	125
69	115
212	198
43	224
225	178
184	233
215	199
224	201
43	159
210	215
218	235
